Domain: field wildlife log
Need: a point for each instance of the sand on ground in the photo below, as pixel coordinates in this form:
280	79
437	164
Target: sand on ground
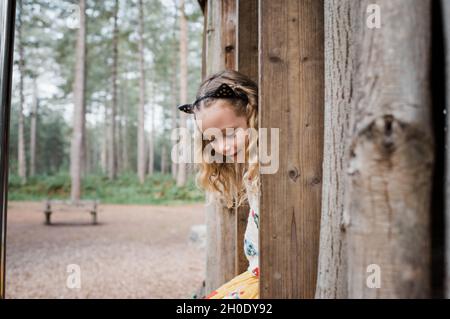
136	251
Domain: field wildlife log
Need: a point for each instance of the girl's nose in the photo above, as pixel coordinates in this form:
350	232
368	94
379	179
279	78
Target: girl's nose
225	147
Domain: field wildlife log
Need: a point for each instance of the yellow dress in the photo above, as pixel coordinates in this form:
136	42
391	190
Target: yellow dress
245	285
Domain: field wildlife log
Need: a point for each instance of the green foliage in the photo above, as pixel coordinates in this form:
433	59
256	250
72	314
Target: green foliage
126	189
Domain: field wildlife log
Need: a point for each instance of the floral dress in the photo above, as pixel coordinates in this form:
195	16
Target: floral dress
246	285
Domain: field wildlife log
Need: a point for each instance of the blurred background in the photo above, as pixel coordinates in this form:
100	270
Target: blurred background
95	89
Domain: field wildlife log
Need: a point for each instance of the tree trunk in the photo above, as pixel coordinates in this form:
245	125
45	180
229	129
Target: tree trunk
150	154
163	159
151	136
339	57
125	158
112	160
174	122
104	154
181	176
389	174
76	150
22	165
141	111
33	125
175	112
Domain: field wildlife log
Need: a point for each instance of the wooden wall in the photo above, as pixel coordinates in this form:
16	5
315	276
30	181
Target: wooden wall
375	187
283	52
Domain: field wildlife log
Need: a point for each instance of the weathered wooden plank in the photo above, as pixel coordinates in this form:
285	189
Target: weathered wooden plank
205	28
339	57
220	53
220	245
247	38
291	83
228	35
246	63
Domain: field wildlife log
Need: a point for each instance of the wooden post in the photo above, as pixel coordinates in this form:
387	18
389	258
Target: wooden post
247	63
247	38
220	53
230	42
291	86
389	175
48	212
339	61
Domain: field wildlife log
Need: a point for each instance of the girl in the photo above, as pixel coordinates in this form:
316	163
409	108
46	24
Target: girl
228	101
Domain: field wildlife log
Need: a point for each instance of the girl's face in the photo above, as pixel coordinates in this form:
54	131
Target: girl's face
220	115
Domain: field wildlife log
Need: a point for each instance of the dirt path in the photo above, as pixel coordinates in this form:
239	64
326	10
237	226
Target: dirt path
135	252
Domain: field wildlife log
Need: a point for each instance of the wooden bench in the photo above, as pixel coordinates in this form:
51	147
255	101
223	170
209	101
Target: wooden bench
91	206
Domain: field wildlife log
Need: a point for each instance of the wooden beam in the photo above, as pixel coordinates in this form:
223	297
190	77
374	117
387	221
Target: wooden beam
223	262
339	57
230	42
247	38
246	63
291	84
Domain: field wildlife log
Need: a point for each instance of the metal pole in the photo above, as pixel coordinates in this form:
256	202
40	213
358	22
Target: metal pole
7	19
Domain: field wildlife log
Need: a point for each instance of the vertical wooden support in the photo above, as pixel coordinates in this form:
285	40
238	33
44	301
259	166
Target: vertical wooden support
220	53
230	42
247	38
247	63
220	245
391	155
291	84
339	61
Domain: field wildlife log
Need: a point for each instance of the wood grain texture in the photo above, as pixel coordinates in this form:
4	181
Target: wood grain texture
247	38
339	60
220	221
389	174
225	227
291	83
246	63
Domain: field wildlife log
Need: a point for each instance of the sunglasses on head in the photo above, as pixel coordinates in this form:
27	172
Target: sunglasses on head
223	91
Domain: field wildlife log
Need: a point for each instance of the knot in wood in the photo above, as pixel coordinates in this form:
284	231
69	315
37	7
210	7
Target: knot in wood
229	48
293	174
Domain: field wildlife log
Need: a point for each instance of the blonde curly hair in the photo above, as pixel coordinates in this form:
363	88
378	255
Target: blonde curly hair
227	181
